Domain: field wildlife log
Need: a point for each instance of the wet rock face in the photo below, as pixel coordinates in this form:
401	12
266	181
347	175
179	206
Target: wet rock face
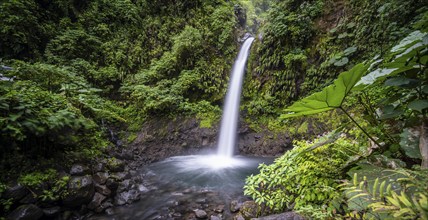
127	197
96	201
79	170
241	15
115	165
235	206
263	143
16	192
51	211
26	212
249	209
103	189
160	138
80	191
100	177
200	214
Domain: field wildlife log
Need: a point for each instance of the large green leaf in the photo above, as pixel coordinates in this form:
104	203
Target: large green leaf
379	74
330	97
418	105
413	37
402	81
410	143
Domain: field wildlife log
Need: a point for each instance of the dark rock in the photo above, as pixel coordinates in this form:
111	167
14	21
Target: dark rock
142	188
115	165
177	215
201	200
238	217
100	177
235	206
127	197
109	211
121	176
99	167
80	191
249	209
213	217
26	212
66	215
104	206
282	216
79	170
201	214
112	184
219	209
96	201
125	155
124	185
16	192
29	199
103	189
52	211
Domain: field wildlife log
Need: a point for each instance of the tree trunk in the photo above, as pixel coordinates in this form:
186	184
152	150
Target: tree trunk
423	145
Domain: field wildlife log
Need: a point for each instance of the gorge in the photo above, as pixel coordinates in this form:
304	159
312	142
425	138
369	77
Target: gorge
113	109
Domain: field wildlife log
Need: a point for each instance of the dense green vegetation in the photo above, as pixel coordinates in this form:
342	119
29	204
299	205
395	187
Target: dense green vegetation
78	68
389	174
71	71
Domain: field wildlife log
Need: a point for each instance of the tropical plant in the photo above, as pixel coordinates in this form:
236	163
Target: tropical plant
401	195
305	176
409	58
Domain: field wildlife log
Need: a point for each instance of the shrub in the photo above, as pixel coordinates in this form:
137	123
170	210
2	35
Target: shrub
304	176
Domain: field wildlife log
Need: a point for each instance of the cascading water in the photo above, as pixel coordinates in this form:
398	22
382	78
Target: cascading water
179	185
229	122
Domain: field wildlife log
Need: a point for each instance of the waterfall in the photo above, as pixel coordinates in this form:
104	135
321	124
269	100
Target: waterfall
229	121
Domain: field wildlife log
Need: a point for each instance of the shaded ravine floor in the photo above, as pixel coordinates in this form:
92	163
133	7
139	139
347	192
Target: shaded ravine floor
179	186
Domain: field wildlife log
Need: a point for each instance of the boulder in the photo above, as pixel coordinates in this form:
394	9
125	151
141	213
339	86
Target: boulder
115	165
100	177
127	197
249	209
219	209
29	198
96	201
235	206
79	170
238	217
16	192
124	186
201	214
103	189
26	212
80	191
112	184
121	176
51	211
109	211
99	167
104	206
214	217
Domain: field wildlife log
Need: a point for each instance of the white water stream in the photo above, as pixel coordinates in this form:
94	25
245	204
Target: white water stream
229	121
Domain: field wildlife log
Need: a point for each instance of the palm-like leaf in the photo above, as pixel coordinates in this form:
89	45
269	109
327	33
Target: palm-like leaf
330	97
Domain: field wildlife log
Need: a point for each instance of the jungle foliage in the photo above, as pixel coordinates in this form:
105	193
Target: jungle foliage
72	70
388	107
305	45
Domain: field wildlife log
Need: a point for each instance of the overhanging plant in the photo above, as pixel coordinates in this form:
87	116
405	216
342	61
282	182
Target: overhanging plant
406	72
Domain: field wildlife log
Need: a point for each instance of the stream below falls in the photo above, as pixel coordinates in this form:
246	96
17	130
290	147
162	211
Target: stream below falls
174	188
